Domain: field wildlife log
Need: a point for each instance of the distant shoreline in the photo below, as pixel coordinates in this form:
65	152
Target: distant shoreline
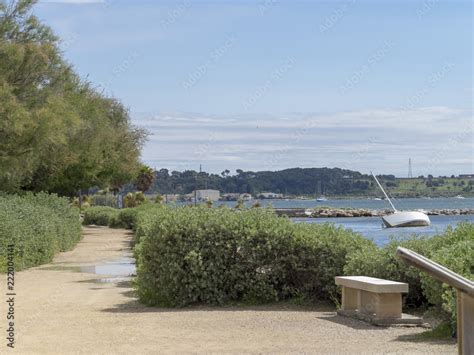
325	212
364	198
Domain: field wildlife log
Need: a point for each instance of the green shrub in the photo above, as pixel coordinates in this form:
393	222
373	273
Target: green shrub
115	222
114	218
134	199
216	256
38	226
126	218
100	215
457	254
453	249
144	220
383	263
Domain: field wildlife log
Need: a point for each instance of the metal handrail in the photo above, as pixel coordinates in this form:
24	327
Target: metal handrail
464	295
436	270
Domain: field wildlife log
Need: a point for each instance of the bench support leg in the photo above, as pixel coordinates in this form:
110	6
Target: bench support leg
383	305
350	299
389	305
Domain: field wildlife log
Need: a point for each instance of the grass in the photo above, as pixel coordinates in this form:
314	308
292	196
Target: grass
443	331
416	187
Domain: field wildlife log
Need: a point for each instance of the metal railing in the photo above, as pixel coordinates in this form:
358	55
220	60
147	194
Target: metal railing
465	295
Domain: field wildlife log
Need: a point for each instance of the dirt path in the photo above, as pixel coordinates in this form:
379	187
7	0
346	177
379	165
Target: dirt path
64	308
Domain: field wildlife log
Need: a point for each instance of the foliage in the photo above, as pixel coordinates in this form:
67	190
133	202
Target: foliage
454	249
383	263
126	218
100	215
295	181
192	255
302	181
159	198
112	217
240	204
456	252
145	178
134	199
57	133
145	220
38	226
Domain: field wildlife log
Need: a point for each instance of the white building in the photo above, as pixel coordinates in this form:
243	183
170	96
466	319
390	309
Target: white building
246	197
269	195
205	195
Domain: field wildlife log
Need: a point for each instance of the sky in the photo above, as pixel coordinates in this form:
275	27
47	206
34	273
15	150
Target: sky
269	85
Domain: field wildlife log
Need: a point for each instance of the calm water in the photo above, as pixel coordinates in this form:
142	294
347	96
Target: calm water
371	227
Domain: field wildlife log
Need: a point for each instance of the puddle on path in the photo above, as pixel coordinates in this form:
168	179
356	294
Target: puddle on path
105	280
120	270
61	268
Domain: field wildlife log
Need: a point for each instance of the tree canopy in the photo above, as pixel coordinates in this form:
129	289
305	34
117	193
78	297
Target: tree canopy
295	181
57	133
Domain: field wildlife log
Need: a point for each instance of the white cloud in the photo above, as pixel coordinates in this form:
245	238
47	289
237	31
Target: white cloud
438	139
72	1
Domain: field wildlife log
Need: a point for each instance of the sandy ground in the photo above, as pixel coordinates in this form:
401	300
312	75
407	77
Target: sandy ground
59	309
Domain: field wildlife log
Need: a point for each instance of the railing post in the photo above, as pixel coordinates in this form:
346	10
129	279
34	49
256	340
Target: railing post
465	323
464	295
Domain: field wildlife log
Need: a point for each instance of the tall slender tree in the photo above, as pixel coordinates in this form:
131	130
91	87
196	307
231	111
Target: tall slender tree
57	133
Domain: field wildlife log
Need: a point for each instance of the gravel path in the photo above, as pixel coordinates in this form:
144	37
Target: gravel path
61	308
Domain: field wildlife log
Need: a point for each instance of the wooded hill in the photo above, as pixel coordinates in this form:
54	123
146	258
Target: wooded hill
308	182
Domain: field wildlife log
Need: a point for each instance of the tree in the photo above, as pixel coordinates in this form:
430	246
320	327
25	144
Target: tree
145	178
57	133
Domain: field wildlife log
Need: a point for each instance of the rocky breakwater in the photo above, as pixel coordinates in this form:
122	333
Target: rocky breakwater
345	212
327	212
450	211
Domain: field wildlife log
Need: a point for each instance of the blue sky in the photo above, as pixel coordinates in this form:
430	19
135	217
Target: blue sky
274	84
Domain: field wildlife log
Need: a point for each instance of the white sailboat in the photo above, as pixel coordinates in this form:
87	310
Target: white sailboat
403	218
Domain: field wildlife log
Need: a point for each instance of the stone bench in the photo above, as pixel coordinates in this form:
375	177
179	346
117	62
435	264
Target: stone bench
376	300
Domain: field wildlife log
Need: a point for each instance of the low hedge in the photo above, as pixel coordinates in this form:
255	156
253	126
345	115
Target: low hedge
100	215
38	226
127	217
115	218
216	256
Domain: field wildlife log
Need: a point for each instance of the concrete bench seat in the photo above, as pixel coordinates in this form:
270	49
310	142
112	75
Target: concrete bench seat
371	298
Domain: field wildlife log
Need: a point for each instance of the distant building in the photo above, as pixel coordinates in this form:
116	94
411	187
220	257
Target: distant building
205	195
466	176
246	197
170	197
269	195
230	196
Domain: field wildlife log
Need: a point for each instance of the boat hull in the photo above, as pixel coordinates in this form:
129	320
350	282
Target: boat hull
406	219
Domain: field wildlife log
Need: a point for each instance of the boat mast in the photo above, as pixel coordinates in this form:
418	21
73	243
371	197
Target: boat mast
386	196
